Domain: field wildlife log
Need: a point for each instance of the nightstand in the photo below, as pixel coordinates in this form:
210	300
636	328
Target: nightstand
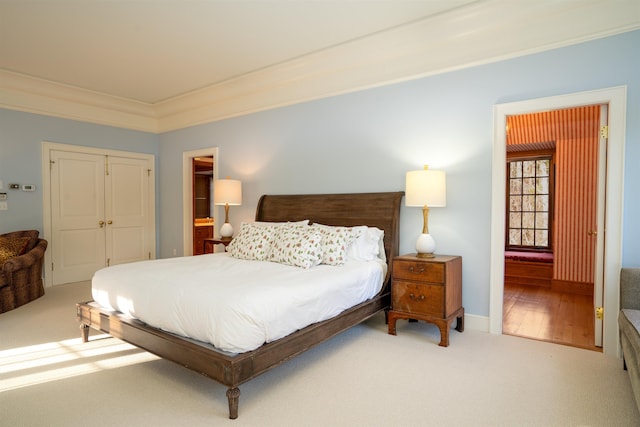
215	241
428	289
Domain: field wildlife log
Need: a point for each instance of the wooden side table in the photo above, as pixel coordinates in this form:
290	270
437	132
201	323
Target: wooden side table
215	241
428	289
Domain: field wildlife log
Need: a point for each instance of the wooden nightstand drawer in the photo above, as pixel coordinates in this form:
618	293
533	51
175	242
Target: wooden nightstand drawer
422	271
428	289
418	298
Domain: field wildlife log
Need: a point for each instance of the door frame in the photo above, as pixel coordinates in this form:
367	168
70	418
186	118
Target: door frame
187	195
616	98
47	147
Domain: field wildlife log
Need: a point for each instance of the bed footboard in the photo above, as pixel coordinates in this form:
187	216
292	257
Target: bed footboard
231	370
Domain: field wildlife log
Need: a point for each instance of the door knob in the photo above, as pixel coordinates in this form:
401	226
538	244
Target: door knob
109	222
101	224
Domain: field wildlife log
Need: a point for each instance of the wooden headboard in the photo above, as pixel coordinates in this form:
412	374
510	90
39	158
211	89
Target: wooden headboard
380	210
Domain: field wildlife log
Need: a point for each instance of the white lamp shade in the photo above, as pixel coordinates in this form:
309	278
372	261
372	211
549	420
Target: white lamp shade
227	191
426	188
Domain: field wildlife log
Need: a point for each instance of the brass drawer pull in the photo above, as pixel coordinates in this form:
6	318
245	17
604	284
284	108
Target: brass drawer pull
415	298
411	269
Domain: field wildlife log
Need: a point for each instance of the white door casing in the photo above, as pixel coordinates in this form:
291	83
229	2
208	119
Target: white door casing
108	204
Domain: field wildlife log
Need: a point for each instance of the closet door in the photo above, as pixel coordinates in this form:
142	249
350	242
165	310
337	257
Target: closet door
127	210
77	215
101	213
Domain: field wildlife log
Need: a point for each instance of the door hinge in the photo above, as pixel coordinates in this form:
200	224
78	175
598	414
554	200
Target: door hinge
149	254
148	172
108	262
604	132
51	266
599	313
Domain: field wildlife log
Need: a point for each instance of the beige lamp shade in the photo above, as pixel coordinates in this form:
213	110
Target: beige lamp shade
426	188
227	192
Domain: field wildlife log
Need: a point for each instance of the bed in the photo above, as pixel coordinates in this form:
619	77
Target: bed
381	210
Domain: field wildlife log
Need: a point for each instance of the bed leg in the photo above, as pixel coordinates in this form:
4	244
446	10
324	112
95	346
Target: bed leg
84	332
233	394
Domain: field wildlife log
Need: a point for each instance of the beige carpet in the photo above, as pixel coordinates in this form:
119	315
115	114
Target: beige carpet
363	377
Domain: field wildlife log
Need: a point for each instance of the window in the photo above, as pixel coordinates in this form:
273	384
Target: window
530	196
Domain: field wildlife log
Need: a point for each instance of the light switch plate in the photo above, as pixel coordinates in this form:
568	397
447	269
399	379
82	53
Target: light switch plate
3	206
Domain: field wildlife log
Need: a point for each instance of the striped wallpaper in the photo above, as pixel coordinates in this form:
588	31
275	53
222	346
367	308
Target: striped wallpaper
575	132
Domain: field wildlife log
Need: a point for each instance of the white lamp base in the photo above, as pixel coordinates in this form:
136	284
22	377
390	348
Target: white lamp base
226	230
425	246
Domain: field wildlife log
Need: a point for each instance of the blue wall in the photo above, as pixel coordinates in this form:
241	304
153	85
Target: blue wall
364	141
21	137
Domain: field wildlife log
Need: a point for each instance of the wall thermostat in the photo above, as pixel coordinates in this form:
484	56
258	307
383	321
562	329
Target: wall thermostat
28	187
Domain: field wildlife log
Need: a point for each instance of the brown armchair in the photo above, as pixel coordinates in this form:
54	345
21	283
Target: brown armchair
21	276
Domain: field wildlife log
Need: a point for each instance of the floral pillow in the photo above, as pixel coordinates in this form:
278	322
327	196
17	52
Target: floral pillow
274	224
12	246
297	246
252	242
335	241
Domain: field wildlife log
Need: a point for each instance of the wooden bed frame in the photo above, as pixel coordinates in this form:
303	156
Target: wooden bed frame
380	210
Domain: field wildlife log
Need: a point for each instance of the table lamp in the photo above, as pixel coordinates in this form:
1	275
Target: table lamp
227	192
426	188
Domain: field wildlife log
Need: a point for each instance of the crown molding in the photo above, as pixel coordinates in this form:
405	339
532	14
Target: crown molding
33	95
476	34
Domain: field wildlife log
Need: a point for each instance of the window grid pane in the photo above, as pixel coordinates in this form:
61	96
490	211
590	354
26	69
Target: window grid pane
529	192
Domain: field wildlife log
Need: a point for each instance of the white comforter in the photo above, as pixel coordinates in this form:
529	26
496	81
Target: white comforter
234	304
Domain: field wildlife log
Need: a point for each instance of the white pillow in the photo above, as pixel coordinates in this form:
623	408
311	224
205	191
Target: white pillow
252	242
368	244
335	241
297	246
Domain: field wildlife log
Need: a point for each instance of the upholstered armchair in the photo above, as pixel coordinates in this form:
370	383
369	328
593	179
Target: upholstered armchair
22	255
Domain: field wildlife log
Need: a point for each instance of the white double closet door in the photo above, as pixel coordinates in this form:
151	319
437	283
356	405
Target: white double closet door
101	212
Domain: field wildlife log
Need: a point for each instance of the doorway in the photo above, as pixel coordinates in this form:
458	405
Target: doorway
188	196
553	208
615	98
203	207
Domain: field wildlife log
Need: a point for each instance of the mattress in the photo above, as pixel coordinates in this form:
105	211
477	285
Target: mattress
235	305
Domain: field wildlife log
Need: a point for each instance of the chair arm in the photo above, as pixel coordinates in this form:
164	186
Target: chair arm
32	257
630	288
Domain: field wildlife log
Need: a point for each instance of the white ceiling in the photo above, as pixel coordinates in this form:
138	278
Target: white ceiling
151	51
158	65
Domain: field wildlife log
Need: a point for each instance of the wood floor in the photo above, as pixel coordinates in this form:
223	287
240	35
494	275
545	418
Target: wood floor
540	313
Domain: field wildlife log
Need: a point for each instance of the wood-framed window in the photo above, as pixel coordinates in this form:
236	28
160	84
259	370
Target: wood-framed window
530	195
